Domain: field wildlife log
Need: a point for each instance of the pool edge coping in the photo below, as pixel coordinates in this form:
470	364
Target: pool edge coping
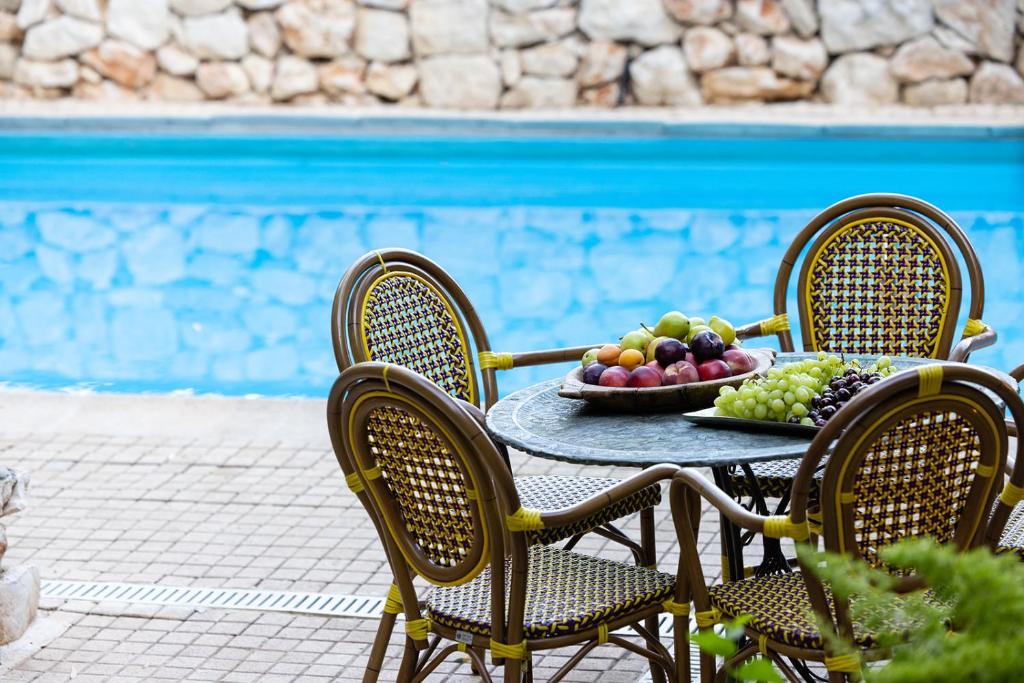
771	122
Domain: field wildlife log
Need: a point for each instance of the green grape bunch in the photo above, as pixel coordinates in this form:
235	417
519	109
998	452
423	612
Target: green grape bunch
806	392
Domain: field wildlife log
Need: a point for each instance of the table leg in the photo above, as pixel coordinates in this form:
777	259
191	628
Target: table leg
732	544
773	559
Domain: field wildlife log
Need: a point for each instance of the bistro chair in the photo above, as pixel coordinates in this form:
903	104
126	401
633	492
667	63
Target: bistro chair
880	276
1007	526
920	454
398	306
447	511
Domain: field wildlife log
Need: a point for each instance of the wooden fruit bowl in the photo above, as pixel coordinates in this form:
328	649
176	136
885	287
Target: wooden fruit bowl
682	397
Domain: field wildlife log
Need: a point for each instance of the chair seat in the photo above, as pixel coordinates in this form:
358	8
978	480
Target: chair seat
1012	540
780	608
555	492
565	593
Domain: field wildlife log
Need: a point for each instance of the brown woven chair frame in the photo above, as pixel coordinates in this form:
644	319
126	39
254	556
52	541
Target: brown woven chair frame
447	511
1006	528
853	298
398	306
921	454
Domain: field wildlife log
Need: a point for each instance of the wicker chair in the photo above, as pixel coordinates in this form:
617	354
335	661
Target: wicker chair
447	511
397	306
1008	525
920	454
880	277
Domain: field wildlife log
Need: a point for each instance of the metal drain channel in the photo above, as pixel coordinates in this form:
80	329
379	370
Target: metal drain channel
320	604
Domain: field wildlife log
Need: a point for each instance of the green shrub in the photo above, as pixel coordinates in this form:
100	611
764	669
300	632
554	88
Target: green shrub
969	626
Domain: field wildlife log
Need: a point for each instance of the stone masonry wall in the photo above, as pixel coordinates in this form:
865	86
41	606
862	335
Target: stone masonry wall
512	54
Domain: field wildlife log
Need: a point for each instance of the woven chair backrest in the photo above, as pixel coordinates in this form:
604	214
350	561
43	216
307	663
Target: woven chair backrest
921	457
880	276
418	457
397	306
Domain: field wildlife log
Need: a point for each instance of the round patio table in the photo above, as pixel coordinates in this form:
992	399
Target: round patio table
538	421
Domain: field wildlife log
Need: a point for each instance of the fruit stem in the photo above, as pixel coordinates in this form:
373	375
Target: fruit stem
644	325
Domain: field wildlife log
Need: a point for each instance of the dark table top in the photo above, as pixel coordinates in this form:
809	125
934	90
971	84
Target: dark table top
538	421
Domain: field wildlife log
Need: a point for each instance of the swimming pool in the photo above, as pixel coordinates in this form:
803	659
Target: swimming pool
157	262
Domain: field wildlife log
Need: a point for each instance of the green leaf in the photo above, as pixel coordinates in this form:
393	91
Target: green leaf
759	669
714	644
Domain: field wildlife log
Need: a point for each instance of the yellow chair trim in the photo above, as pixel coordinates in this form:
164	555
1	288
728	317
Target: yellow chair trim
372	473
503	651
930	378
1012	494
602	634
846	497
461	647
417	629
762	644
393	603
380	259
974	327
470	494
676	609
708	618
354	485
985	470
524	519
497	361
775	324
815	523
781	526
847	664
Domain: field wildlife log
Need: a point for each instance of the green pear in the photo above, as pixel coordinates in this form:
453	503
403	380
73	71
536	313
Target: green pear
697	321
637	339
590	357
724	329
673	324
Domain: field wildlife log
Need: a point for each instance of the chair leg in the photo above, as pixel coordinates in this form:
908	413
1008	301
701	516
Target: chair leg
513	670
650	559
380	648
408	667
681	640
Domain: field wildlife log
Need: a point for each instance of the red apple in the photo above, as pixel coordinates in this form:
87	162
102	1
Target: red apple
654	365
713	369
690	359
644	377
739	361
615	376
681	373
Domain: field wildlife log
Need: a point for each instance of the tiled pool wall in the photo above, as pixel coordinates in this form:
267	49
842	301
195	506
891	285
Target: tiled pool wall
133	297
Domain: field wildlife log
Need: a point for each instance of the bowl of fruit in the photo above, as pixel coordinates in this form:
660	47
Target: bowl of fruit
680	364
797	397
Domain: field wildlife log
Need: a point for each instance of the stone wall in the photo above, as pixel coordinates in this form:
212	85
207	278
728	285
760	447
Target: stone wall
510	54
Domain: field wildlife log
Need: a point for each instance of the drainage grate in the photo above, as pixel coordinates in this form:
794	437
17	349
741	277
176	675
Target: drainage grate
321	604
219	598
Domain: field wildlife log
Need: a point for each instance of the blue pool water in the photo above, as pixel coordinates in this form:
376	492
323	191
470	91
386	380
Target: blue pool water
161	262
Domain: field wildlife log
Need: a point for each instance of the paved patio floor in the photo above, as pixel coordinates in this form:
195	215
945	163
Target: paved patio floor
215	492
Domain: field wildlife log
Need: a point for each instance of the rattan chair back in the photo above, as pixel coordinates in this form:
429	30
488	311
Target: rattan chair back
423	468
920	454
880	276
398	306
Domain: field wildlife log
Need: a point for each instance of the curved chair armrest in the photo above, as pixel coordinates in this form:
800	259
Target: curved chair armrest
1018	373
776	526
764	328
502	360
972	342
620	491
